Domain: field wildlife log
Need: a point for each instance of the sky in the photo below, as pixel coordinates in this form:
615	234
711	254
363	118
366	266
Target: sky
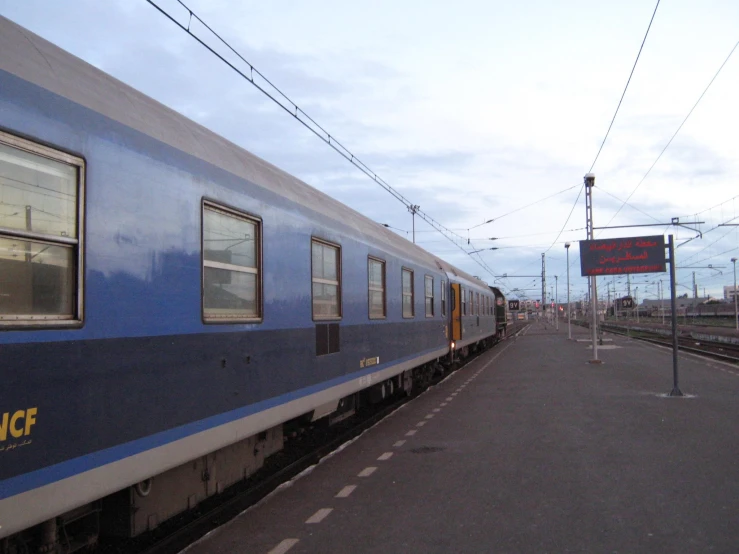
472	110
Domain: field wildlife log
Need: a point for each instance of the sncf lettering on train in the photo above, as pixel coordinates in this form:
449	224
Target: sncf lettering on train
17	424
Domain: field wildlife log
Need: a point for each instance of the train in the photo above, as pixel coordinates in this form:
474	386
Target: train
171	303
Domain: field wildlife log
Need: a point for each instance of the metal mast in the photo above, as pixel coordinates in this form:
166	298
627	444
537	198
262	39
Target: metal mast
543	286
589	184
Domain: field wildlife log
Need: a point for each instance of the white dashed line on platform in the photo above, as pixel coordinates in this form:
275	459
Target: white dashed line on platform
410	433
420	424
429	416
437	410
284	546
385	456
398	444
367	471
346	491
319	516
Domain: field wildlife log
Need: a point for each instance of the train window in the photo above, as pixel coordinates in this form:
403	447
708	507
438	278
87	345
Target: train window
477	303
376	286
464	301
429	295
326	278
231	265
472	303
41	232
407	278
443	298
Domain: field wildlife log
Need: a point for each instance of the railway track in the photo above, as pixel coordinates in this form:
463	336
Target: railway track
299	454
723	351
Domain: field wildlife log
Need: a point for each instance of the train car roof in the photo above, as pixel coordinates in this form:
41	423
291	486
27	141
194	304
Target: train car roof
38	61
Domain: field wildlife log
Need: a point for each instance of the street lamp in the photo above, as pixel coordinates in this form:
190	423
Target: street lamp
482	250
569	311
736	313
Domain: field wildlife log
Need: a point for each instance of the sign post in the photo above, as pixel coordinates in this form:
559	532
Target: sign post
624	256
673	293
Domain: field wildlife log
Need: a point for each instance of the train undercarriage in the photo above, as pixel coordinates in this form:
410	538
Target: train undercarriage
141	508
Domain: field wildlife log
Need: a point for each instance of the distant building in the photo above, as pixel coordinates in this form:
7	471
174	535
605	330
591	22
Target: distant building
680	302
729	293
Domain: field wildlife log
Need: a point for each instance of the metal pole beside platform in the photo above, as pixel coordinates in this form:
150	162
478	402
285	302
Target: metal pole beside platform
589	184
673	302
569	310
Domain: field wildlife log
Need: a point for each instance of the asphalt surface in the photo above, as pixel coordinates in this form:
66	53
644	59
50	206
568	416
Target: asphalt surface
528	449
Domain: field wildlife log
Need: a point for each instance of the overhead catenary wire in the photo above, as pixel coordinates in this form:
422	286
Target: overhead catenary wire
669	142
610	126
712	207
625	88
567	220
270	90
627	204
523	207
711	244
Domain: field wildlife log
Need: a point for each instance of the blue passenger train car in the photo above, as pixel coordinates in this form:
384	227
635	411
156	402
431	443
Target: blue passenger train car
168	301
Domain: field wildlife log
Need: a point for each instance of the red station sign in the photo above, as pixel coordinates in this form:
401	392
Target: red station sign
622	256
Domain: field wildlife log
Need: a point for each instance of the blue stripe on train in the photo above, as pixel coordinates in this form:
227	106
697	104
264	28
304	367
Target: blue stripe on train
39	478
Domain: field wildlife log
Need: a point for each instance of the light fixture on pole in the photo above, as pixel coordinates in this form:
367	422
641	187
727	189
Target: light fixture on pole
736	313
569	311
394	228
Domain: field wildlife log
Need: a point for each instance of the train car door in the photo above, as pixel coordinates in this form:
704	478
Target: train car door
456	312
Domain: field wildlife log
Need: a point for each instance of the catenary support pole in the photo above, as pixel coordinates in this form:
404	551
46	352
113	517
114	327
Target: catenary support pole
543	288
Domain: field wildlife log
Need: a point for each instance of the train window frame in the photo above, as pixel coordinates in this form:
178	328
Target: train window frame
477	303
404	294
428	299
241	215
463	294
443	298
472	302
370	288
76	244
319	280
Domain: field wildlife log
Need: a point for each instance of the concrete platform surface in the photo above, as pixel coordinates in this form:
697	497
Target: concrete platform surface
527	449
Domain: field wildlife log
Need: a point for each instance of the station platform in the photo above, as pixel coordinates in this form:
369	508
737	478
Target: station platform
529	448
